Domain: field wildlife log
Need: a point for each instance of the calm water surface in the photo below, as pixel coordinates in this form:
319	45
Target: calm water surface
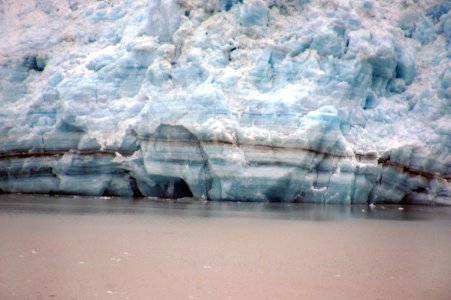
57	247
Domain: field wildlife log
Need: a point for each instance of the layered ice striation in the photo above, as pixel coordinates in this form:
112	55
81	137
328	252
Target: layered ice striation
248	100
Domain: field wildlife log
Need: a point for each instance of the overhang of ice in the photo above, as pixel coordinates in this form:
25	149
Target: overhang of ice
249	100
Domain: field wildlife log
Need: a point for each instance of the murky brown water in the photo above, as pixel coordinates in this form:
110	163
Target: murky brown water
91	248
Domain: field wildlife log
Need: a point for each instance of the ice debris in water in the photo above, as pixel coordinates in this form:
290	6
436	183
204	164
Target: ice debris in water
247	100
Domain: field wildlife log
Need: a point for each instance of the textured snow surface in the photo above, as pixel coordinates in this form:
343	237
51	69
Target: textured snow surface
278	100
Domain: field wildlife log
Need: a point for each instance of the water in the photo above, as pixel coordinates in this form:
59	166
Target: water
121	248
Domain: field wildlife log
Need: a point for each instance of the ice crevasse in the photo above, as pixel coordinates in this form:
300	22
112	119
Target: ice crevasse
248	100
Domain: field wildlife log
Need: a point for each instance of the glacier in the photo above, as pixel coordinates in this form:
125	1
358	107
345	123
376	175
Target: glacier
322	101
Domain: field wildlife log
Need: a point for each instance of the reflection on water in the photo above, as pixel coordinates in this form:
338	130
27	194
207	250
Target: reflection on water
189	207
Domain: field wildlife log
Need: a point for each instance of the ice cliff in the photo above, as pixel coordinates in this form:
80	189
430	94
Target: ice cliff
253	100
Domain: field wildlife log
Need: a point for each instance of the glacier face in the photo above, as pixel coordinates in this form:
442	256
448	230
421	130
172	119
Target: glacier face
278	100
